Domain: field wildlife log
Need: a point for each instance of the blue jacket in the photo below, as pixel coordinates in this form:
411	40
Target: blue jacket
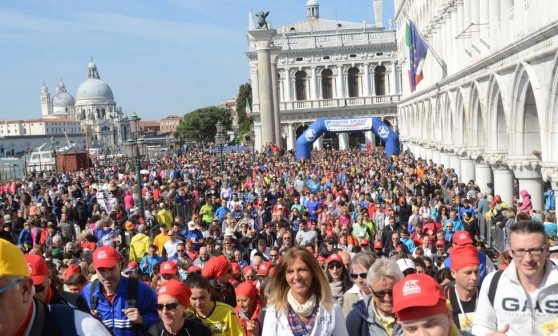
113	317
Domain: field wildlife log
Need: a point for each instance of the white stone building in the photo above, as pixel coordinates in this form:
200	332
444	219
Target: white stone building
94	107
325	68
491	113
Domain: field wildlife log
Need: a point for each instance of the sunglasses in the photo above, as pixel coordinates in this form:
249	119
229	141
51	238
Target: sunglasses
356	275
382	293
334	265
9	285
179	250
168	306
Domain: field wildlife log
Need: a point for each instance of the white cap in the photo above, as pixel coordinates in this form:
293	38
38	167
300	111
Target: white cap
405	264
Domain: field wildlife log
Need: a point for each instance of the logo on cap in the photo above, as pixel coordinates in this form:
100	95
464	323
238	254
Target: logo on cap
29	268
167	266
462	236
102	255
411	287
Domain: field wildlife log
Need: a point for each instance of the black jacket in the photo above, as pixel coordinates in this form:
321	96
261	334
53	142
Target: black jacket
70	299
192	326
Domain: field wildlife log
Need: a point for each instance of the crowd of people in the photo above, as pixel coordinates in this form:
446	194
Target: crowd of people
349	243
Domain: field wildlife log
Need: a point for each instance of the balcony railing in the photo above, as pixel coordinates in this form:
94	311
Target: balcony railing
331	40
335	102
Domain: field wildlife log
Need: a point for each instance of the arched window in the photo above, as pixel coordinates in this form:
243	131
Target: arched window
103	113
353	82
300	84
327	88
380	80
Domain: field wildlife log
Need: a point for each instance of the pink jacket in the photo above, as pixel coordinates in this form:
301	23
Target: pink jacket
527	205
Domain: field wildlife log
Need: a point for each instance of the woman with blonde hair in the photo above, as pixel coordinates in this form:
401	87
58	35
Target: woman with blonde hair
300	300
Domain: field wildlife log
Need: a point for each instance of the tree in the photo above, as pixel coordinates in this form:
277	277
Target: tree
244	123
199	125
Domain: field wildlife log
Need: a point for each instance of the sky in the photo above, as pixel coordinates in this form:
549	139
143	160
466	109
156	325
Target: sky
160	58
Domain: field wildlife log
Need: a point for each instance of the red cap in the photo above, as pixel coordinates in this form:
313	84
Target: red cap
464	256
330	234
71	270
320	258
415	292
440	243
235	268
263	269
462	237
364	242
334	257
177	290
168	267
105	256
38	269
378	245
132	265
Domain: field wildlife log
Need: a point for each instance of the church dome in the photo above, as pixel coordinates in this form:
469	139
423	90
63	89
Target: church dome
63	99
312	3
94	88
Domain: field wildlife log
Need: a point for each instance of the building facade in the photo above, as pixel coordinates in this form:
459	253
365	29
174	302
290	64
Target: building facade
486	106
324	68
101	120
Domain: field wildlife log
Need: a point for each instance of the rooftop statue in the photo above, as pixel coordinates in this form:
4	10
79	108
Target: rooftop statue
261	20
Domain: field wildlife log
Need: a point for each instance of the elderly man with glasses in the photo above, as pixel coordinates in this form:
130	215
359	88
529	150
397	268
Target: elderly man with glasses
522	299
22	314
373	313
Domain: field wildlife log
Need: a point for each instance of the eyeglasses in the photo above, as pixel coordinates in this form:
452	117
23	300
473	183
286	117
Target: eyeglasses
9	285
334	265
179	250
534	252
382	293
168	306
356	275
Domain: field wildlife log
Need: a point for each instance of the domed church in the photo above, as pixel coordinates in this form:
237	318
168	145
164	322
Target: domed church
102	121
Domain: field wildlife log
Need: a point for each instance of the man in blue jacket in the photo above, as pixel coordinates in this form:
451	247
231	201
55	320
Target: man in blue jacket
110	298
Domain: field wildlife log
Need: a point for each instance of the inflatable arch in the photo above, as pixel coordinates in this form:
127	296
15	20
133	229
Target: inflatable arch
321	126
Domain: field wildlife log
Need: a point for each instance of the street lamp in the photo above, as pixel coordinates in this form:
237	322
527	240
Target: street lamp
135	150
220	141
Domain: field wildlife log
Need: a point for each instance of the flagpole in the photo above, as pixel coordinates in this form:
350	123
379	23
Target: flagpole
436	57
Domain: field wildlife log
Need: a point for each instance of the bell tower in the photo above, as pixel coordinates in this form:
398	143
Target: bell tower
46	104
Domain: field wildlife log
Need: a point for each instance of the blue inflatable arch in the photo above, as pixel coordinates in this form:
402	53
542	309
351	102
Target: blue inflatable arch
321	126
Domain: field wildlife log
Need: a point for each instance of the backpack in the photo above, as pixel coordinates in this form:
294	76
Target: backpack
493	287
131	294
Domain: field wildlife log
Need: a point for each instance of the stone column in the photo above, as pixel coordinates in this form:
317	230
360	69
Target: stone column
392	74
483	176
494	24
366	80
313	84
503	183
398	80
528	173
372	84
258	137
370	138
467	170
429	154
288	85
466	23
340	82
291	137
262	39
455	163
255	92
436	156
319	143
343	140
275	87
444	159
460	27
452	41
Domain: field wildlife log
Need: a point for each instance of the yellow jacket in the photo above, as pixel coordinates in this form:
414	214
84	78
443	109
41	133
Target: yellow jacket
139	245
164	217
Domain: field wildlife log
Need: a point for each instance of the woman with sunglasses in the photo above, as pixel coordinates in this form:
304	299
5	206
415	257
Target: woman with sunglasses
358	269
173	301
338	277
374	312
